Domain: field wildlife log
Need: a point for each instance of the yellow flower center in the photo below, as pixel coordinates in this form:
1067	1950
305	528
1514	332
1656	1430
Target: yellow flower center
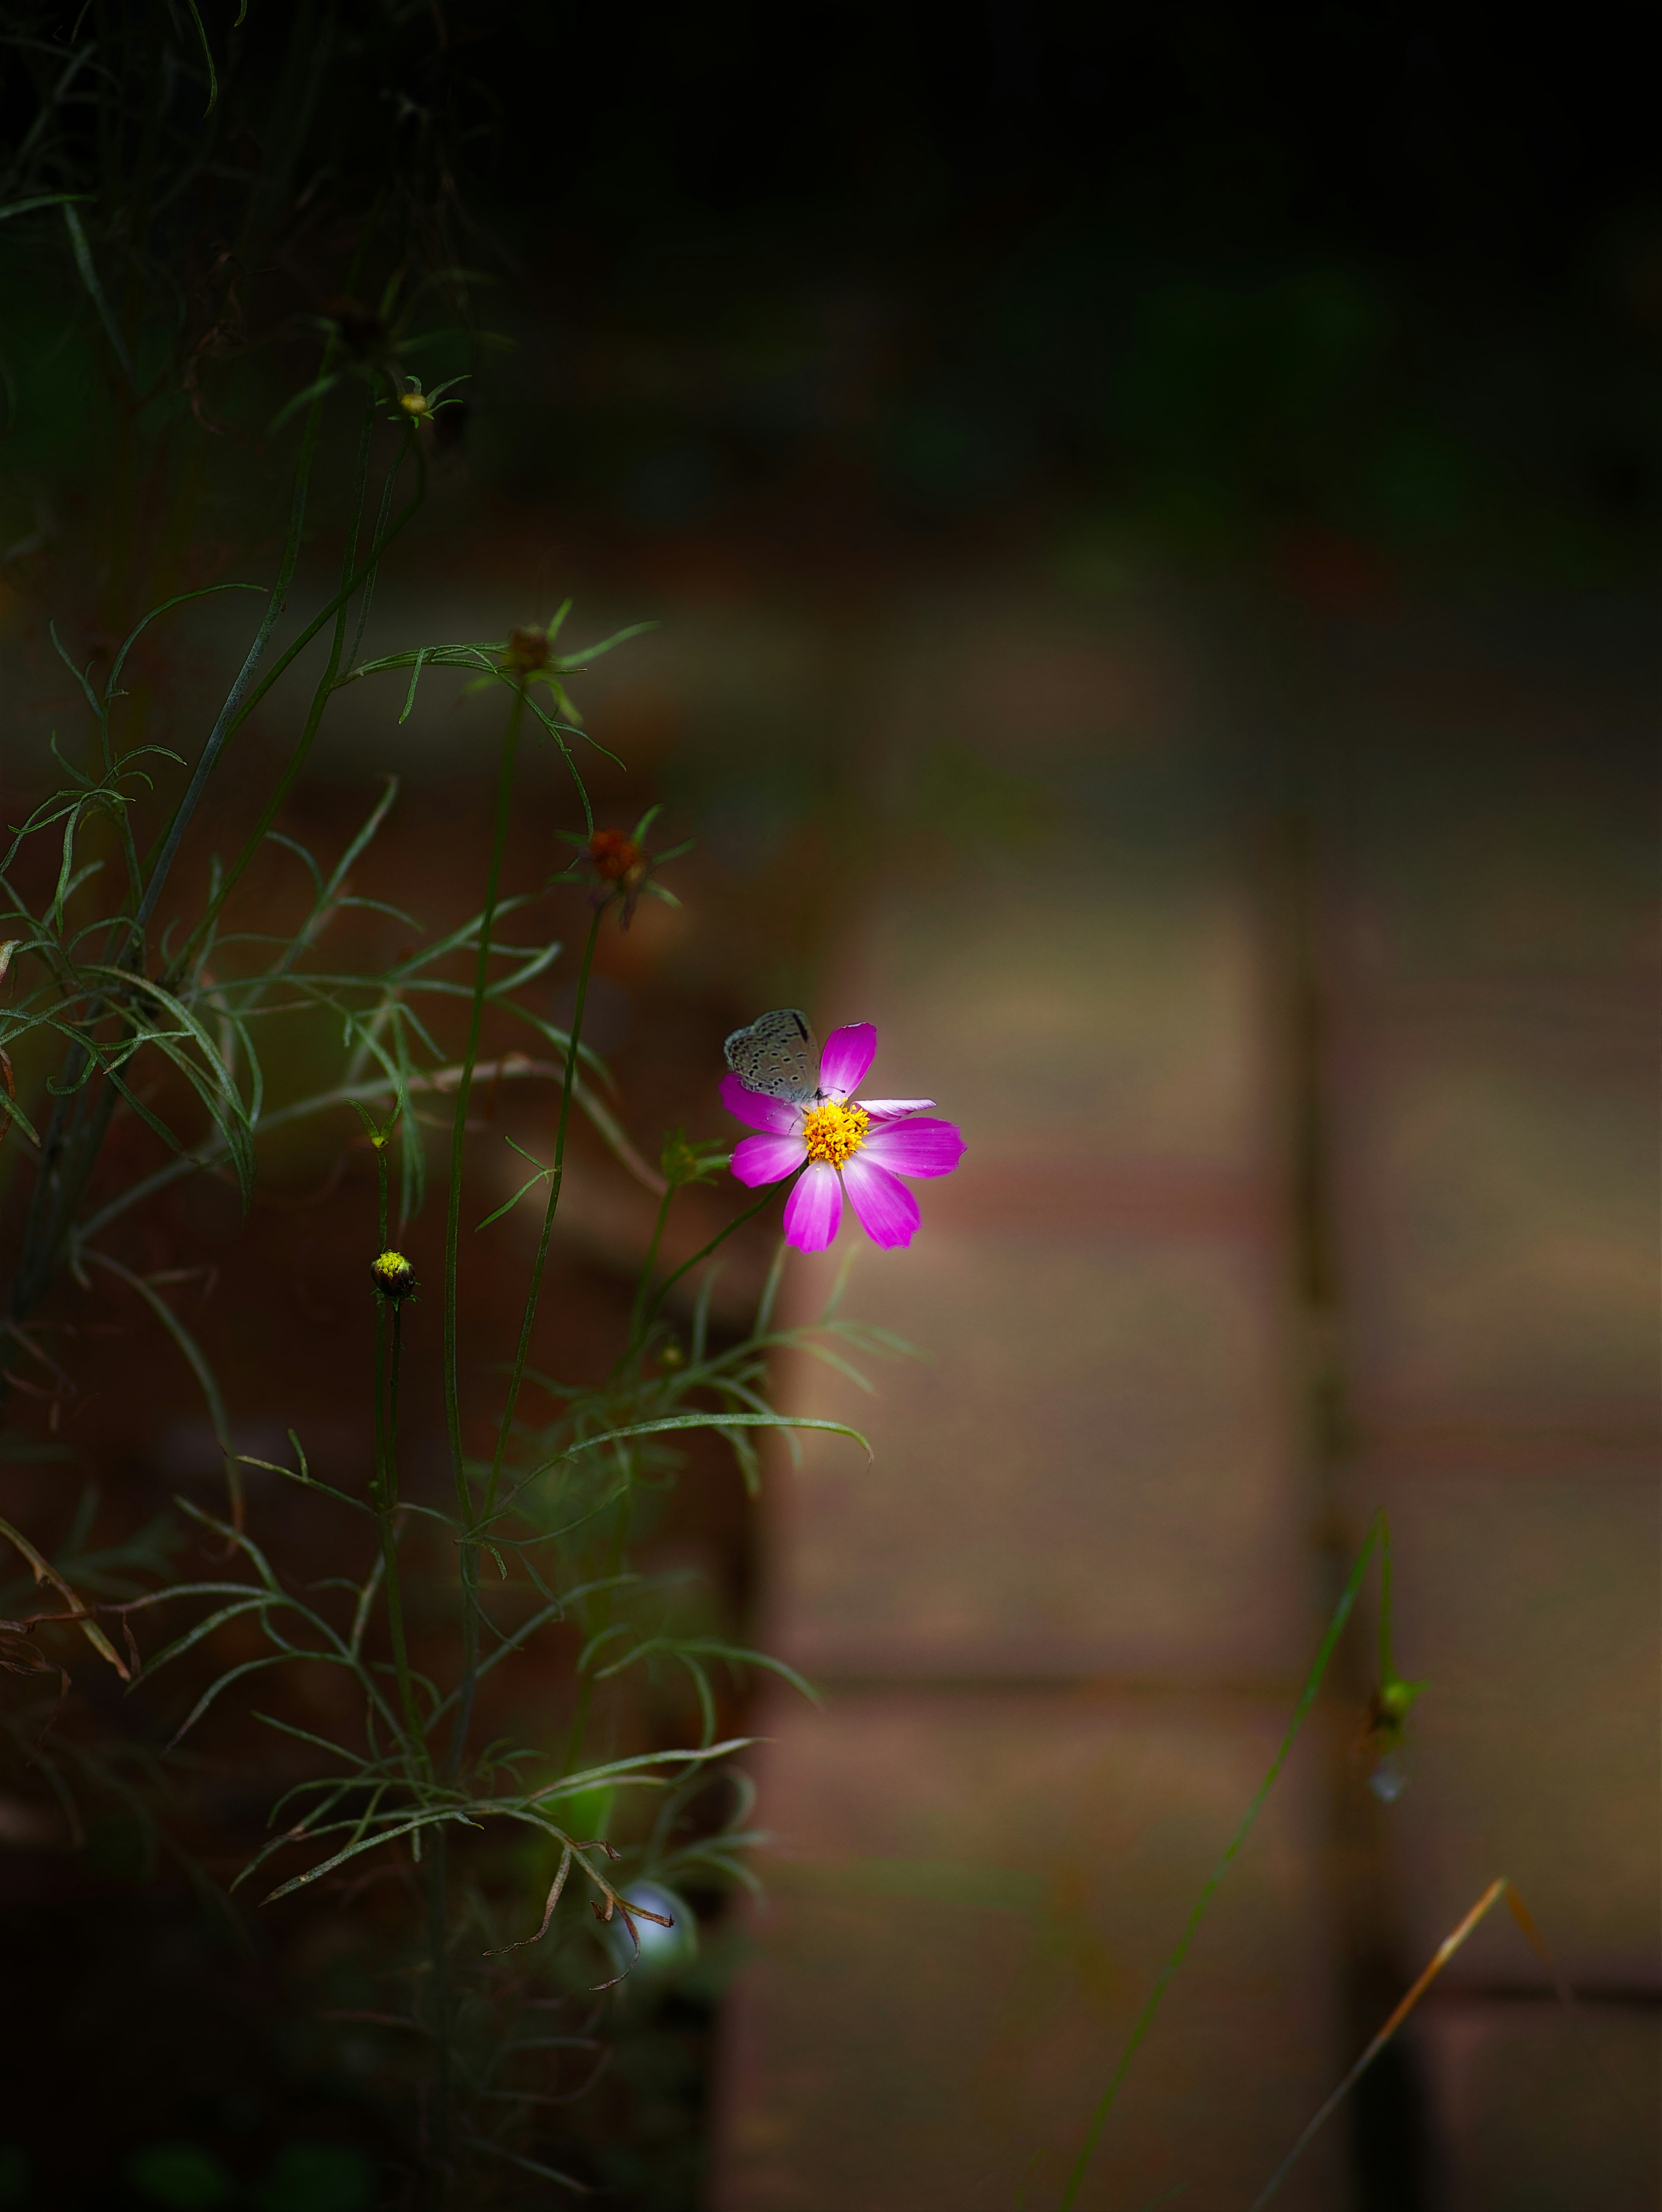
834	1132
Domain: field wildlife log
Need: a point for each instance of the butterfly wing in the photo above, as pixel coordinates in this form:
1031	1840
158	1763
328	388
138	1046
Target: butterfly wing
778	1056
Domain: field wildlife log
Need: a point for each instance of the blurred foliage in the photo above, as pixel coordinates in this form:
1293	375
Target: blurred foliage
1227	274
1226	277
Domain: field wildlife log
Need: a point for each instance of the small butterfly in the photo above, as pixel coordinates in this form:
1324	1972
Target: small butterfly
778	1056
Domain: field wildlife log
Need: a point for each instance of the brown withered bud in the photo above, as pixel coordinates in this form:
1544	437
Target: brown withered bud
527	651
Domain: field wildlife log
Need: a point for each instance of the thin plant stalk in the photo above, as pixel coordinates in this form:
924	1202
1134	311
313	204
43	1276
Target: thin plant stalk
230	712
601	1617
649	1268
239	704
556	1177
386	1507
387	1427
504	1427
703	1252
640	1331
357	573
386	1482
469	1568
321	693
438	1955
1377	1538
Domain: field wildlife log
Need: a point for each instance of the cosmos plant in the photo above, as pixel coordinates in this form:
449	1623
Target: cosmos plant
528	1719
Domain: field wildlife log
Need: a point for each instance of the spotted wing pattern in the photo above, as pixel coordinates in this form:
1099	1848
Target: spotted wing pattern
778	1056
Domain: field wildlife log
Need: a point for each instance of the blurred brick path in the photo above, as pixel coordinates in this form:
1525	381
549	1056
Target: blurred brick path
1063	1615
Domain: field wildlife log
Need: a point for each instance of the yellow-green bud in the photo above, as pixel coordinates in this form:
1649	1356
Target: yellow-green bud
394	1276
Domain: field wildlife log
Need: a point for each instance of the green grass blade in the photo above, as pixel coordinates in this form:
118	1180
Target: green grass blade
1144	2019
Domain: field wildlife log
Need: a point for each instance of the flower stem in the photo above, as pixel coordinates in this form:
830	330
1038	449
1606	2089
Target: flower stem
387	1496
644	1291
386	1486
386	1503
600	1618
438	1955
504	1427
702	1253
470	1556
556	1177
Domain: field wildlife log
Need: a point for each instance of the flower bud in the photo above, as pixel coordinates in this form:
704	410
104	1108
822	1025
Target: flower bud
394	1277
527	651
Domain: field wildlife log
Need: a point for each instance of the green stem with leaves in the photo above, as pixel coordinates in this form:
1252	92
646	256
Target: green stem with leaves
82	1115
641	1322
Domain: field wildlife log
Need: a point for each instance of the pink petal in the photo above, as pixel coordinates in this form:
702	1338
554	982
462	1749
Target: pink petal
767	1160
887	1210
814	1208
928	1147
849	1053
888	1109
758	1112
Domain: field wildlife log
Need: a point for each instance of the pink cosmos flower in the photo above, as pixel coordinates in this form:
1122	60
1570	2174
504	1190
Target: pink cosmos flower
863	1148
